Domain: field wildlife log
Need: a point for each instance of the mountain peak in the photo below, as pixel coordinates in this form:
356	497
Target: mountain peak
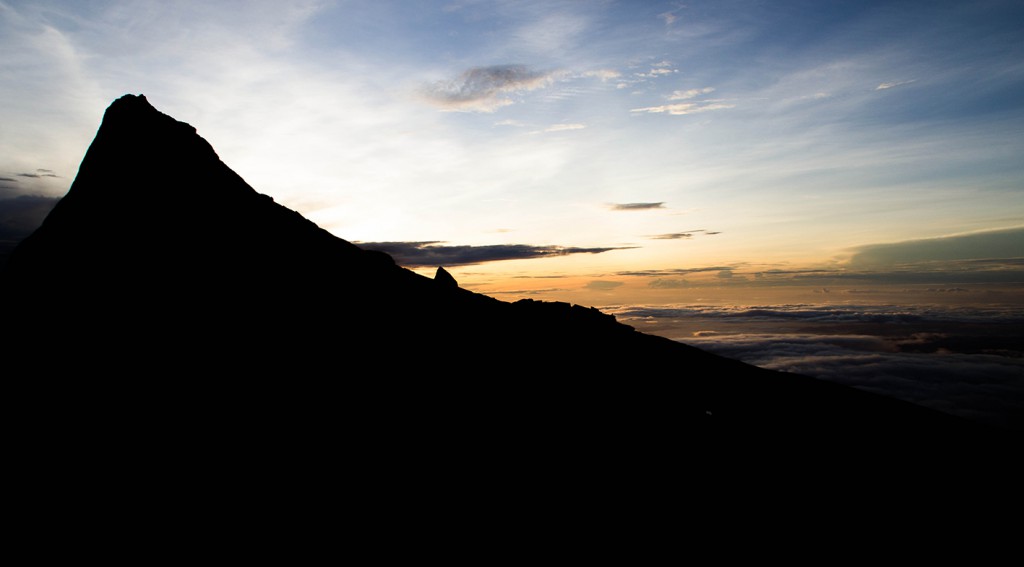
152	196
130	102
160	258
134	113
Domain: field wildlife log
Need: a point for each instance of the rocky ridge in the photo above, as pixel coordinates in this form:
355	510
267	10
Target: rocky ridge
191	294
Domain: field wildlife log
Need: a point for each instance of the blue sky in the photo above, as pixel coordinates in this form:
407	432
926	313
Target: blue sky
599	152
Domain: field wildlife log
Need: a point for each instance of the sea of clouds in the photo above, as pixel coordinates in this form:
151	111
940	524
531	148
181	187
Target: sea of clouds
967	361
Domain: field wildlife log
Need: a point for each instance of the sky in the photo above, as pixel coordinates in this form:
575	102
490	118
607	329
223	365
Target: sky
590	151
828	187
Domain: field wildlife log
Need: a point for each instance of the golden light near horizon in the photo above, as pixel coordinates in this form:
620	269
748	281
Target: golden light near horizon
620	151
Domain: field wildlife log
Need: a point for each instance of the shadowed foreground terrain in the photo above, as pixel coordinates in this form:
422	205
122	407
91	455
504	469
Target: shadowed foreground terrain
164	301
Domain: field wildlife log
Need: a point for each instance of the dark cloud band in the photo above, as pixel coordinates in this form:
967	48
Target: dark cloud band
430	253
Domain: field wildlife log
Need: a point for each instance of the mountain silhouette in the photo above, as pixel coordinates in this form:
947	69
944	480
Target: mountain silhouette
164	294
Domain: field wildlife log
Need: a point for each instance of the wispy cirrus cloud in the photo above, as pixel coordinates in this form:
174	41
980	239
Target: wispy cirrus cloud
891	84
564	127
486	89
648	76
603	74
656	72
689	93
691	106
683	108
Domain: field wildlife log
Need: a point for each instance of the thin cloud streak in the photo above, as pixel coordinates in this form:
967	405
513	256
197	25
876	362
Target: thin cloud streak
685	235
690	93
674	236
565	127
637	206
684	108
889	85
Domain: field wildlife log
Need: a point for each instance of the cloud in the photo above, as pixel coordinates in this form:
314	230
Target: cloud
669	283
983	387
967	361
637	206
603	74
656	72
855	314
429	253
673	236
884	86
686	235
731	277
1006	243
671	272
564	127
486	89
683	108
603	285
39	173
688	94
883	275
518	292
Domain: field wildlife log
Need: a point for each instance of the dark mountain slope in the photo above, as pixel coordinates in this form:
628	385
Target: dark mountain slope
165	288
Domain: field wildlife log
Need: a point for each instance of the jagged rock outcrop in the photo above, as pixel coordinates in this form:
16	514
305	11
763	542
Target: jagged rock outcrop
167	275
444	278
